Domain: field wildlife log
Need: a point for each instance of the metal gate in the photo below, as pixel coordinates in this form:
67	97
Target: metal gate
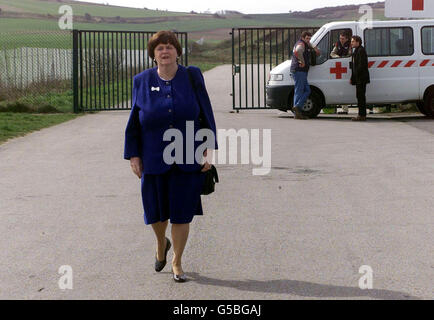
255	52
104	64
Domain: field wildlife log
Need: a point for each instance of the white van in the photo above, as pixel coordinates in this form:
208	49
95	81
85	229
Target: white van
401	67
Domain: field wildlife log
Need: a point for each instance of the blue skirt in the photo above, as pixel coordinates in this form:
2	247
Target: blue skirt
173	195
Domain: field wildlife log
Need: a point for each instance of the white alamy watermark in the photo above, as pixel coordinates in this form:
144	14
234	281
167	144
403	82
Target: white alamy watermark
366	20
250	148
366	281
65	281
66	20
227	139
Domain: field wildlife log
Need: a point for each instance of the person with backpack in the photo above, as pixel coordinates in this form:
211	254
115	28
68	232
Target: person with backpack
300	64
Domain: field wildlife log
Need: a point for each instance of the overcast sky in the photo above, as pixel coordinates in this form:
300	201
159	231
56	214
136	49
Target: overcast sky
244	6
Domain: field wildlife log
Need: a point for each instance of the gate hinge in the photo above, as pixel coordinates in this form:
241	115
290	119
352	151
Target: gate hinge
235	69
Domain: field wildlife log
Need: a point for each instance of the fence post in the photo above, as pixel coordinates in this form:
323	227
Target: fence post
186	49
233	67
75	69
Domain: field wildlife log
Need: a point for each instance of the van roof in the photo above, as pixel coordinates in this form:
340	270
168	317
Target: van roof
384	22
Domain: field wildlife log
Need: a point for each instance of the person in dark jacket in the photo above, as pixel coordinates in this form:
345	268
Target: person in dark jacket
360	75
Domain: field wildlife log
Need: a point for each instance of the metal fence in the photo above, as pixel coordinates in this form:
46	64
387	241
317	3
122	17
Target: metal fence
104	64
36	69
79	70
255	52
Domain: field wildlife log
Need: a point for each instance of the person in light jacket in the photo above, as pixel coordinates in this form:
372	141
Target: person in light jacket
164	98
342	48
300	64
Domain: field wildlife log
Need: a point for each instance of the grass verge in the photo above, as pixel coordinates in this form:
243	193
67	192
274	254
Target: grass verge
19	124
205	66
52	102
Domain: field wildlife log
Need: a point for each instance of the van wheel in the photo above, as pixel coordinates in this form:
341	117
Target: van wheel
429	102
313	105
421	107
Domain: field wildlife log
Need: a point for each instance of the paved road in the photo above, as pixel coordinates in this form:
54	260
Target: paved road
340	195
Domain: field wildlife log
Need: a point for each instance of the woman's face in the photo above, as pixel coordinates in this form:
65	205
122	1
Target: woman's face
165	54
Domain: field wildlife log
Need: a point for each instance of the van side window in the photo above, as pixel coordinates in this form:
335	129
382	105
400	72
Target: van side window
395	41
428	40
377	42
324	47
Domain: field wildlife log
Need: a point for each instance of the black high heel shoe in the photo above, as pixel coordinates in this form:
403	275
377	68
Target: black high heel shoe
179	277
159	265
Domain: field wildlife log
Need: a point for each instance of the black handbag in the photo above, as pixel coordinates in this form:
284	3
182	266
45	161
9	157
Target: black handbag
211	176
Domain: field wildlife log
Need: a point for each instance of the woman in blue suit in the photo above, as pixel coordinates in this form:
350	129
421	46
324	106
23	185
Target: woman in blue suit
163	98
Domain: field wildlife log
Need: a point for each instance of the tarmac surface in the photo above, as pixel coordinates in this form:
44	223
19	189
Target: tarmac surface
339	195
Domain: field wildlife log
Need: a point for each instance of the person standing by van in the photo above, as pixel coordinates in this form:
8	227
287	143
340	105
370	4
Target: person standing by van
360	75
300	64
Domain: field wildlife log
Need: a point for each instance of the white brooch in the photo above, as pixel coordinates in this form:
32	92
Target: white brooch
155	89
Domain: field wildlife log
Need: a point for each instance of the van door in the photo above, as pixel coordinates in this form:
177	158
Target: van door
332	75
393	64
426	67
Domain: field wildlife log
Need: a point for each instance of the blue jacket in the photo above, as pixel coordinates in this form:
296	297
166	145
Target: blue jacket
159	105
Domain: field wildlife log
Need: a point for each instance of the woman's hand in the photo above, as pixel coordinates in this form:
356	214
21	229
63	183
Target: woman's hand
206	165
136	166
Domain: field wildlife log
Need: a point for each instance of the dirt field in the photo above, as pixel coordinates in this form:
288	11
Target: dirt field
217	34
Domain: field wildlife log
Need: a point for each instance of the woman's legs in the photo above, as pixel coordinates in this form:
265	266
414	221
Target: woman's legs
160	233
179	239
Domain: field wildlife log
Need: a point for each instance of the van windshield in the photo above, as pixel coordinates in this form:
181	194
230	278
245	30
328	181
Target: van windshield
317	35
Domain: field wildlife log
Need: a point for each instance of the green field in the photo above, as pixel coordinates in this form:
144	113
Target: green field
198	24
188	23
180	21
15	33
52	7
